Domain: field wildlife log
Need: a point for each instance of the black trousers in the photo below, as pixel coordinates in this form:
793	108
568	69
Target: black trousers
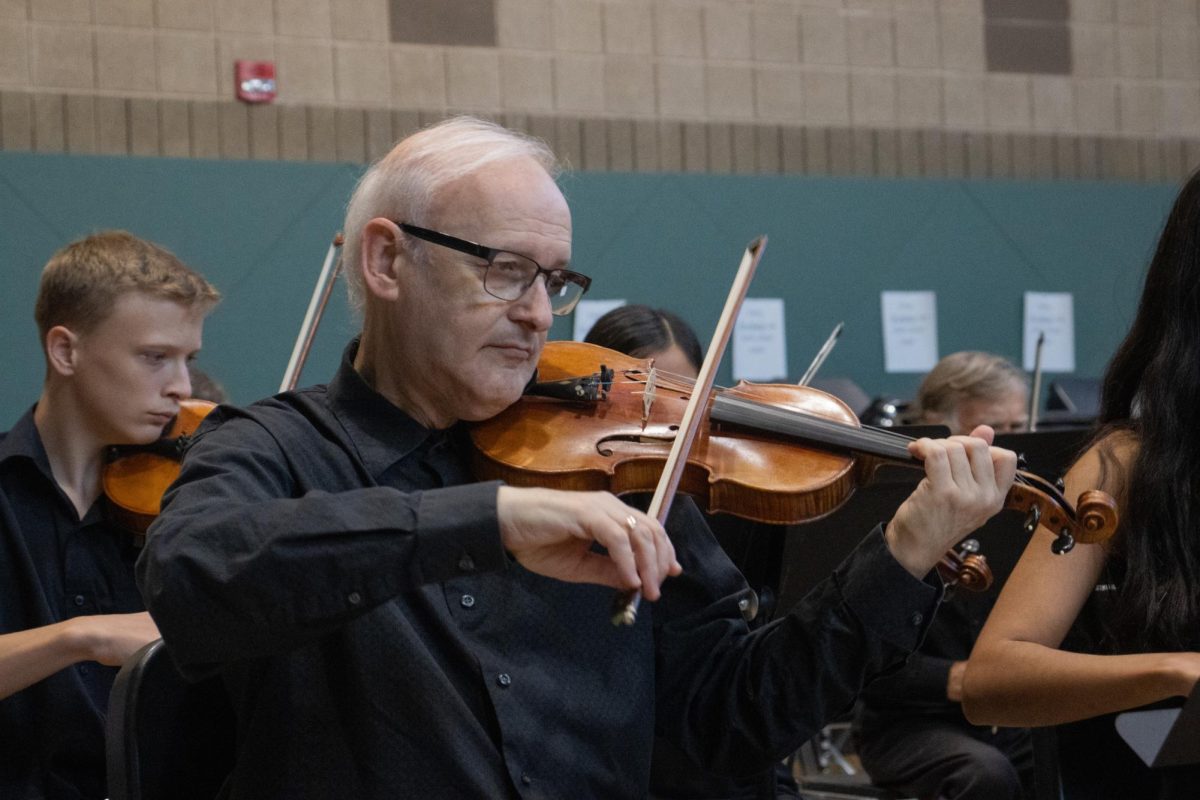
943	760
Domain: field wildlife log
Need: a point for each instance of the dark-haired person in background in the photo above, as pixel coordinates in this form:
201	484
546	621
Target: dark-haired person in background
1145	581
645	332
119	319
910	730
206	387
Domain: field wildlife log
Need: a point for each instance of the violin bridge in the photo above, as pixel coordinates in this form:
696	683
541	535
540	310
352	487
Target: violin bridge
648	394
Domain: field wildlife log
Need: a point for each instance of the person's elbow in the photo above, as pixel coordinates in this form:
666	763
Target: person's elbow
979	702
177	593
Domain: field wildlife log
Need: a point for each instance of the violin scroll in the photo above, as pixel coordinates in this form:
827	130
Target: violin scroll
1097	514
975	575
1093	521
966	567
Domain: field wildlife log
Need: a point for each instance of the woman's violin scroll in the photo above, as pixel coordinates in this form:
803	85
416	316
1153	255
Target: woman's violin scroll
775	453
965	566
135	477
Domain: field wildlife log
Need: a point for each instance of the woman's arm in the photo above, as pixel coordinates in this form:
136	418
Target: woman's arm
1017	676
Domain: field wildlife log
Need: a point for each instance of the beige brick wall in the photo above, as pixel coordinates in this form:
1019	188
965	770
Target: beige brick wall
740	85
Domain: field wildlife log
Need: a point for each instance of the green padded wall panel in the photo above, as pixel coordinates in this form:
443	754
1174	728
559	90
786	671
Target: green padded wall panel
260	231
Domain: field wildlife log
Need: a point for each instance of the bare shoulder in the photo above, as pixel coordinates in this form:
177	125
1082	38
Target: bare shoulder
1105	464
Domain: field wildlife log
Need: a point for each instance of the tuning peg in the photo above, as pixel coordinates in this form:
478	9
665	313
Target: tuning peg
1032	519
1063	544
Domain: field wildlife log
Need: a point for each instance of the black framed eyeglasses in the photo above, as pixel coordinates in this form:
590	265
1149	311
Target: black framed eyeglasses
509	275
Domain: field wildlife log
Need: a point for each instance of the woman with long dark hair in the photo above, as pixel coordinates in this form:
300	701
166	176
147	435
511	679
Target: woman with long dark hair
1144	584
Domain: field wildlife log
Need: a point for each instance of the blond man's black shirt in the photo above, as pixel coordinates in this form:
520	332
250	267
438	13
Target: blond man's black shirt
55	566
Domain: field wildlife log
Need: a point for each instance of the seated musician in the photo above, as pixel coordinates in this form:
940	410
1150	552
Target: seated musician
645	332
389	627
910	730
119	319
754	548
1138	589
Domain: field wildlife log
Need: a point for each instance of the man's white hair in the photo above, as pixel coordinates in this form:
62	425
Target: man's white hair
401	185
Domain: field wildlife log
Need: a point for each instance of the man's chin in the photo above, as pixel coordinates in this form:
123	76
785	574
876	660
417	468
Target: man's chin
135	436
486	406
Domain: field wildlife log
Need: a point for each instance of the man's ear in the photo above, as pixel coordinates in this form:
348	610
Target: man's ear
378	258
62	349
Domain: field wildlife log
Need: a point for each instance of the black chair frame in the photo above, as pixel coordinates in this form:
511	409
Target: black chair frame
166	737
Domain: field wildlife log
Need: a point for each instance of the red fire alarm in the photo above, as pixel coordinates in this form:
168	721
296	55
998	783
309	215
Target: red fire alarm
254	81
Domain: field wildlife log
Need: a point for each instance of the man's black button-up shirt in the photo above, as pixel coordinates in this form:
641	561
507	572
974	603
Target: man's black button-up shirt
333	561
55	566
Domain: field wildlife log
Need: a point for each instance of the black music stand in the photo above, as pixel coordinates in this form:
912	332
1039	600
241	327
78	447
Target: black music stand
1071	403
1046	453
1077	395
1164	737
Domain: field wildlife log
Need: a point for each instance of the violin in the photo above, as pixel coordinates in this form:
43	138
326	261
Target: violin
135	477
596	419
966	567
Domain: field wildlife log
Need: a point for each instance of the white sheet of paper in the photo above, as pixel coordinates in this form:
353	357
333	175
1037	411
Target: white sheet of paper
759	343
588	311
910	336
1052	313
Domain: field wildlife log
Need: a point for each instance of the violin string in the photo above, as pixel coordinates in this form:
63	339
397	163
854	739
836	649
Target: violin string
850	435
880	437
789	421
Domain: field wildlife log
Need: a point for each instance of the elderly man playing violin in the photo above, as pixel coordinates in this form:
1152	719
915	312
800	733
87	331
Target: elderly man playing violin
389	627
119	319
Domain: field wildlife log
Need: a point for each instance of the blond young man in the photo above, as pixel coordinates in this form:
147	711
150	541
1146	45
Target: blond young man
119	320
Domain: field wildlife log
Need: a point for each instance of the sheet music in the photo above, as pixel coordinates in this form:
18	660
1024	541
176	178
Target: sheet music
759	345
1164	737
909	331
1053	314
587	312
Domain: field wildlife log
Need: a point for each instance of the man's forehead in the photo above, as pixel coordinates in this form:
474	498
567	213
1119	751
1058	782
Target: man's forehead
509	179
512	197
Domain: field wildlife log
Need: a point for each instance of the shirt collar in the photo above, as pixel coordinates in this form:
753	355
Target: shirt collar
24	441
380	431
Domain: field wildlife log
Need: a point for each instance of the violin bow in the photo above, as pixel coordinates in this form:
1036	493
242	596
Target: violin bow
821	355
312	317
626	606
1036	392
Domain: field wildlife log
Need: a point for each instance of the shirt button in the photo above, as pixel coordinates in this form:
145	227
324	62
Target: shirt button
80	600
918	618
504	680
526	780
467	601
466	563
354	598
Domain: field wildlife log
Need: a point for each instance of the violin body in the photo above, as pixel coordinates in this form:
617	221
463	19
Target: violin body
607	445
135	477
